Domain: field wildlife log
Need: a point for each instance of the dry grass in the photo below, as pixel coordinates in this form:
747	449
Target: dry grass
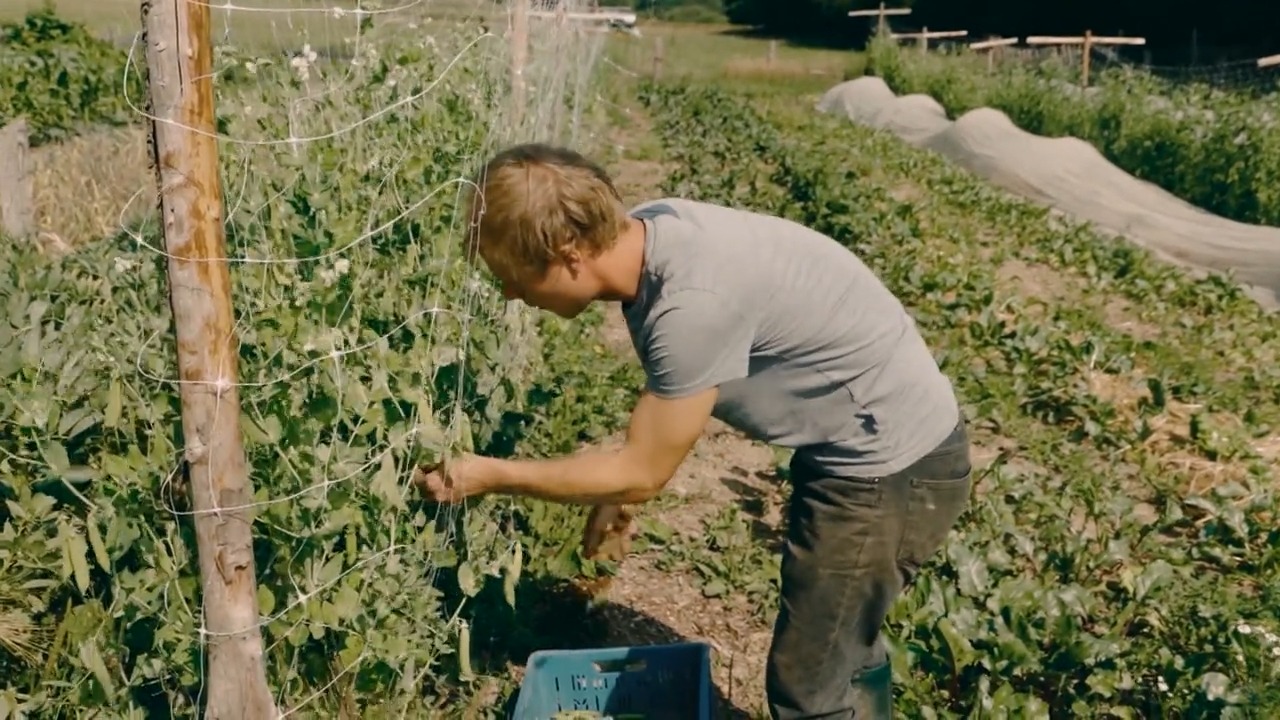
1185	436
721	52
86	186
755	68
1207	448
19	636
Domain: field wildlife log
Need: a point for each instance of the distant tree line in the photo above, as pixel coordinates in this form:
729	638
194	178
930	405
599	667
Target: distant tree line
1177	31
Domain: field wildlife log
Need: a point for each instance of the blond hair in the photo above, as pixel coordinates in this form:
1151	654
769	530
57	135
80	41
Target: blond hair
530	201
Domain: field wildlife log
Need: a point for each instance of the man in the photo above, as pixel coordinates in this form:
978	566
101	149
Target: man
778	331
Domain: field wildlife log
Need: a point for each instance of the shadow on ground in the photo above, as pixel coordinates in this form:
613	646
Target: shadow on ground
554	615
760	504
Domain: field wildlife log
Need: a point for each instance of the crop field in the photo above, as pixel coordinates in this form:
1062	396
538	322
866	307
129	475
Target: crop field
1120	558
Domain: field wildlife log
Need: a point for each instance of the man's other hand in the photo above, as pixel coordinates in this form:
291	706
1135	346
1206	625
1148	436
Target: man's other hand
608	533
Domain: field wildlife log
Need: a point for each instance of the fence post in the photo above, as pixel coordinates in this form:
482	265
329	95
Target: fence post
519	57
179	56
1086	50
17	195
1086	43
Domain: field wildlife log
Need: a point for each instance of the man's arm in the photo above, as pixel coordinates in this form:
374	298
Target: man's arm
661	433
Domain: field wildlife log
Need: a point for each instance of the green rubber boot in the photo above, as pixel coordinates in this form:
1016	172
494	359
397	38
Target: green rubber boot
873	693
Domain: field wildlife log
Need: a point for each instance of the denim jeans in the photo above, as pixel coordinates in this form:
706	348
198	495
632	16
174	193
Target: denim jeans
853	545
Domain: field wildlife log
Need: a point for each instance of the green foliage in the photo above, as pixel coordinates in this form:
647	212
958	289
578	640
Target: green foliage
1217	150
367	345
726	558
683	11
60	77
1093	575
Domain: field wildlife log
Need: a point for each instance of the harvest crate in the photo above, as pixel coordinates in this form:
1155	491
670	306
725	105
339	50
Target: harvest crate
655	682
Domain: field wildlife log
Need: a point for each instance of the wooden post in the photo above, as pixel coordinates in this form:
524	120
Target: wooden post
1087	42
773	52
17	192
1085	52
657	56
882	26
519	57
992	46
179	56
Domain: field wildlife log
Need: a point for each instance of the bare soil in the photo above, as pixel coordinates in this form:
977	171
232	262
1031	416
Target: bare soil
647	605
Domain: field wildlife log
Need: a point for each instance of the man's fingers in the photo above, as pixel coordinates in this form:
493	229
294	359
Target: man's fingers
422	472
593	533
422	479
624	516
607	534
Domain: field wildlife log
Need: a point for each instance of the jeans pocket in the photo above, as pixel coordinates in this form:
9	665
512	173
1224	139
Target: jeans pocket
852	492
933	507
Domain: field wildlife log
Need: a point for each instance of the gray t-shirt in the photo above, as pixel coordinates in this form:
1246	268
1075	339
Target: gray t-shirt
810	350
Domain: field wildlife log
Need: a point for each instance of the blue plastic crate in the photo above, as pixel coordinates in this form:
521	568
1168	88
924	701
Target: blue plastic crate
659	682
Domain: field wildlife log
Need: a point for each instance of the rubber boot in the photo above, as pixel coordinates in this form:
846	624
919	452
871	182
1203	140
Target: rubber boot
873	694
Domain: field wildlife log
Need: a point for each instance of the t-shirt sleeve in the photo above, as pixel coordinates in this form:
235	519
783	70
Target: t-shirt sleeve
693	341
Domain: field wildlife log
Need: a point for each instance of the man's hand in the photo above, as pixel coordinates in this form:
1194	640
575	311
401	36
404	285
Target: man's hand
453	480
607	537
608	533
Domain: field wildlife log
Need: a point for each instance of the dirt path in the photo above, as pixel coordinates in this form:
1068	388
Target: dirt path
646	604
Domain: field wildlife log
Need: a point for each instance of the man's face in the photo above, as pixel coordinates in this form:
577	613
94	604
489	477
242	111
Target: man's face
564	289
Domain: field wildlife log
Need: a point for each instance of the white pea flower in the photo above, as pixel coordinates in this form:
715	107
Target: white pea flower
302	62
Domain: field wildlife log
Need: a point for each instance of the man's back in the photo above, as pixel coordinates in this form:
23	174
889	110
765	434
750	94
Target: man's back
809	348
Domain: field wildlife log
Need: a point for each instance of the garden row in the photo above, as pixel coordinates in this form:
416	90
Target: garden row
1119	558
1217	149
61	78
367	345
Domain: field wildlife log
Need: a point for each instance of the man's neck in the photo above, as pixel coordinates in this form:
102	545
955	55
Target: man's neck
621	266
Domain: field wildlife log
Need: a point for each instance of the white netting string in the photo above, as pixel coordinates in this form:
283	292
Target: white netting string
347	134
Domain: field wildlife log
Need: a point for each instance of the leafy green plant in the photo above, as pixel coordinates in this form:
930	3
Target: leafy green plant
59	77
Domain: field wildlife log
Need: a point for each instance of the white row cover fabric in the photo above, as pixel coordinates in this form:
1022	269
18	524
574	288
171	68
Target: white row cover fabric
1070	175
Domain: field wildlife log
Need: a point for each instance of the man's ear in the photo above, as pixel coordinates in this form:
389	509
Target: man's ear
572	258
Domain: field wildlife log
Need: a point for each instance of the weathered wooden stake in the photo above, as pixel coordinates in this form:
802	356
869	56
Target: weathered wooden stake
882	25
185	155
1086	49
17	194
658	52
519	57
1086	42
